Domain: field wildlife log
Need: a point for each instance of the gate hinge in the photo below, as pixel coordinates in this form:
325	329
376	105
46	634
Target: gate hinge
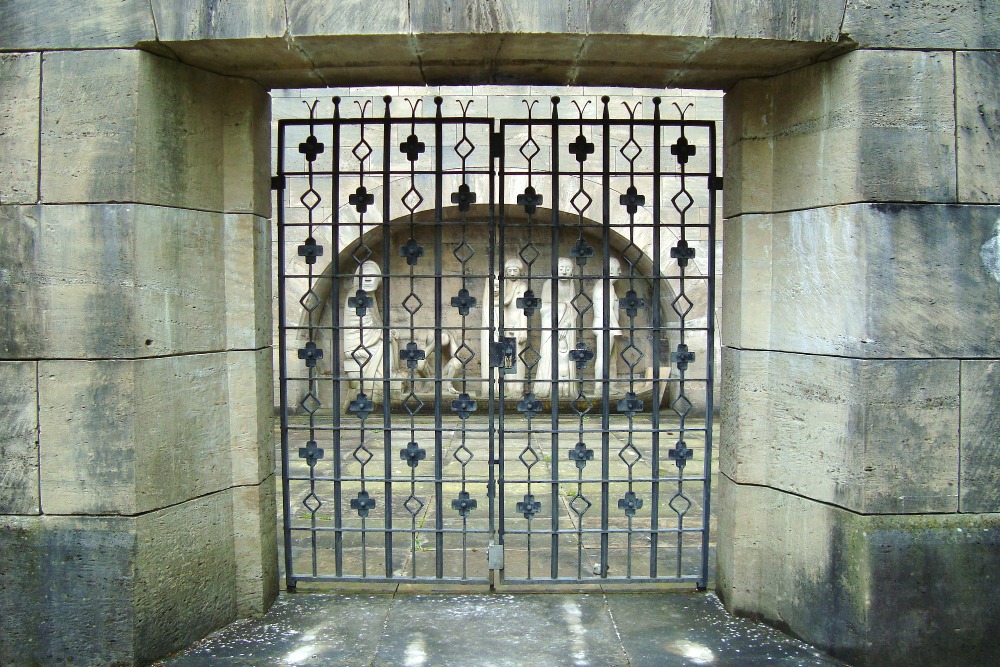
496	145
715	182
494	556
277	182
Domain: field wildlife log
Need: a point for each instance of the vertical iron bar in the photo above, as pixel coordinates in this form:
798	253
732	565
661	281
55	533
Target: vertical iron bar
338	536
606	334
438	297
283	363
553	323
501	176
386	329
654	536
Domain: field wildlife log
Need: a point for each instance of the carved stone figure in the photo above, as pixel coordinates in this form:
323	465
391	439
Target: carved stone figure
364	346
515	324
614	322
559	319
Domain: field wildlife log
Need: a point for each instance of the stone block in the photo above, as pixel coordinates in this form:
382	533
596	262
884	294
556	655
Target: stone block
18	438
218	19
348	17
116	590
35	26
843	131
125	437
185	574
250	414
786	20
871	590
980	436
866	280
923	24
634	17
131	126
66	590
23	300
978	104
246	177
113	280
255	542
248	281
20	80
497	16
871	436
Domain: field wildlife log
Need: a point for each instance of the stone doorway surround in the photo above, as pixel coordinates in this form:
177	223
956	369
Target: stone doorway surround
858	498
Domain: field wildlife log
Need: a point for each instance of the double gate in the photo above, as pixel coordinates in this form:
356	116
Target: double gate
496	342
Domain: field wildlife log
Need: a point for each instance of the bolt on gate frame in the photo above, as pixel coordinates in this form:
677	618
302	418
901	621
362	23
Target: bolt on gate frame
489	343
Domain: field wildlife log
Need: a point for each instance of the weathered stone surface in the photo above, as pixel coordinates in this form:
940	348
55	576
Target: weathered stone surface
272	62
31	25
872	590
923	24
251	404
980	436
131	126
112	281
246	176
631	17
871	436
841	132
18	438
497	16
978	104
185	578
115	590
248	281
255	536
22	321
218	19
66	590
19	89
867	280
123	437
348	17
798	20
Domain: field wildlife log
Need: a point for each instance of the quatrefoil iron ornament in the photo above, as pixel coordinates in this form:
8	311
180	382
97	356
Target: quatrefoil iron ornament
363	504
311	453
464	503
311	353
311	148
530	200
413	454
411	251
310	250
464	301
412	148
465	197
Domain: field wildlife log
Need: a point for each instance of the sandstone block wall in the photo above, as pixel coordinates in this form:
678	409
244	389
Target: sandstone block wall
136	449
860	343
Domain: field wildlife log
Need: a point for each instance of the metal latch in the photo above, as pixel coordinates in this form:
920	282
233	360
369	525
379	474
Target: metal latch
494	555
503	355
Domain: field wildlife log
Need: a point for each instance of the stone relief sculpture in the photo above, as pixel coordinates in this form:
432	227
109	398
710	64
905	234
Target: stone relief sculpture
451	366
614	322
364	346
559	319
514	321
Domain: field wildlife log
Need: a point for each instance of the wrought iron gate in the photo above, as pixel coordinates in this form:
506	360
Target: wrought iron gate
496	342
